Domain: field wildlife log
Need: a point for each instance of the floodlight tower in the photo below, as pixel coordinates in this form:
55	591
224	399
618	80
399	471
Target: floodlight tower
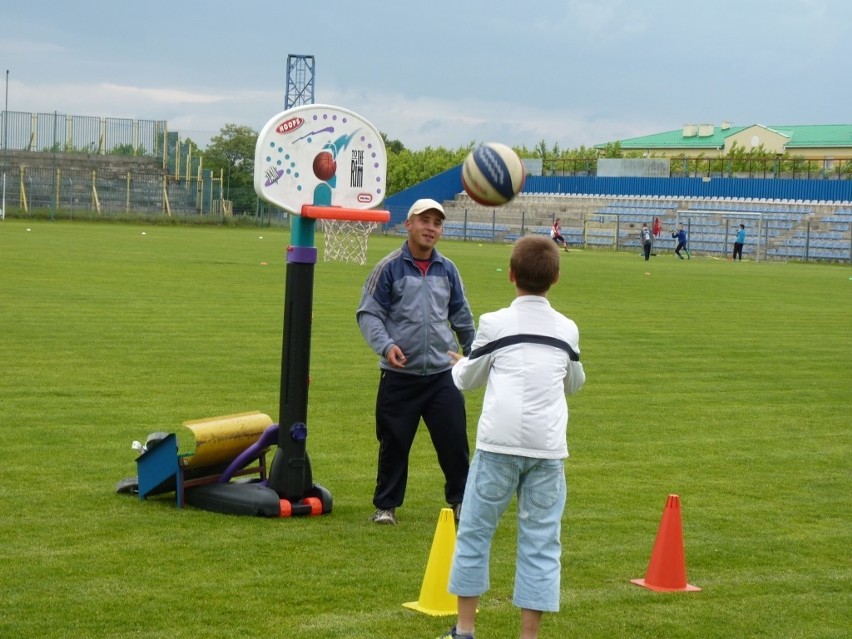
300	80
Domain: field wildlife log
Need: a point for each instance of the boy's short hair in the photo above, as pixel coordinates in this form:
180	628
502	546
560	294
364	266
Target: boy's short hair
535	262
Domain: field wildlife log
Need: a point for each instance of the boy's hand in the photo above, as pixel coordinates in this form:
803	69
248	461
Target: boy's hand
455	357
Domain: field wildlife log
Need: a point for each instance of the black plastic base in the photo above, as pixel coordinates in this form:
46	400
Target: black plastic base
257	500
235	499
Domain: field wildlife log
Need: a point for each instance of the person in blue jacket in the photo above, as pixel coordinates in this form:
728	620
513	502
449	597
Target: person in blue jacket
680	234
739	242
413	310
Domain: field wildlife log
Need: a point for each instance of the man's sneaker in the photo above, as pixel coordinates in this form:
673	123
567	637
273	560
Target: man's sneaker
451	633
385	517
456	512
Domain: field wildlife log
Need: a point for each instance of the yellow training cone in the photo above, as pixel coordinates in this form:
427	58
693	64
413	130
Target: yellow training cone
435	599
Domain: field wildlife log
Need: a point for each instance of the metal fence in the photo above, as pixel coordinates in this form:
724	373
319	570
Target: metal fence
69	193
66	191
25	131
72	186
796	168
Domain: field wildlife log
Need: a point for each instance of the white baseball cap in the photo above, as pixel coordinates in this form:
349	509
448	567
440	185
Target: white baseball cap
423	205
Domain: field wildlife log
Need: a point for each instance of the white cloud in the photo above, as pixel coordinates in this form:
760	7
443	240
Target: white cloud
156	95
575	73
11	46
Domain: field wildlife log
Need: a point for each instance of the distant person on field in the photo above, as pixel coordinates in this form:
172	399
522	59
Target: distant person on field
680	234
739	242
556	234
413	310
658	227
527	357
647	240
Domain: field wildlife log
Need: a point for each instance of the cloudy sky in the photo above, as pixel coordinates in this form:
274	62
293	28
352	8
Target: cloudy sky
439	73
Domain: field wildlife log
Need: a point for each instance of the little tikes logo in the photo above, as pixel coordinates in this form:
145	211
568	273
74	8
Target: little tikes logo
287	126
365	198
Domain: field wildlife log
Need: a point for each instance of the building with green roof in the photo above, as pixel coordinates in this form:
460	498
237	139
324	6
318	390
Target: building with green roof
812	141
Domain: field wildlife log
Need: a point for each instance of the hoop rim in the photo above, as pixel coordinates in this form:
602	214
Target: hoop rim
315	212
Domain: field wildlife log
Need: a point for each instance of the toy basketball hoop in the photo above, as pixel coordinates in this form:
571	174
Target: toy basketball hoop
325	157
346	241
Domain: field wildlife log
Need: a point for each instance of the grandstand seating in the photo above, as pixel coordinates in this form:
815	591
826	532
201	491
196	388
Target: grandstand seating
777	229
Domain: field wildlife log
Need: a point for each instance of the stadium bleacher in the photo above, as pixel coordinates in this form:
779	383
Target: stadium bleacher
776	229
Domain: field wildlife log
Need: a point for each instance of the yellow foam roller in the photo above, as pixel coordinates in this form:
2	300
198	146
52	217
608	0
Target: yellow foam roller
220	439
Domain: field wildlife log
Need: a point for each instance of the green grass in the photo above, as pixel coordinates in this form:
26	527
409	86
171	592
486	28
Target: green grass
727	384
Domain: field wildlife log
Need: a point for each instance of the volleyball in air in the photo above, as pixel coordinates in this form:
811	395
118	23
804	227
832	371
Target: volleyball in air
492	174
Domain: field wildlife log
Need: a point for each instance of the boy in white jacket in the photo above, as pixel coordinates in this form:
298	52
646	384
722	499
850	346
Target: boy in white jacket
527	355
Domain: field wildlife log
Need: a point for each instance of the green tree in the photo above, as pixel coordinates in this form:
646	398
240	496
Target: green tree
128	150
191	147
583	160
613	150
548	157
231	152
407	168
392	146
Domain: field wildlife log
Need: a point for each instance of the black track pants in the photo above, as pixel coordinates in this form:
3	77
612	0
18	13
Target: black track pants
400	403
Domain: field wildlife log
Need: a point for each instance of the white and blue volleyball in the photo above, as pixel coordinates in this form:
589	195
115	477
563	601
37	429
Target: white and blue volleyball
492	174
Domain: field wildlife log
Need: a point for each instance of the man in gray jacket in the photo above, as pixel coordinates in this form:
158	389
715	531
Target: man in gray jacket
413	311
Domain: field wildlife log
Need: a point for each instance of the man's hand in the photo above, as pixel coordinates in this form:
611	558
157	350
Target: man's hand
455	357
396	357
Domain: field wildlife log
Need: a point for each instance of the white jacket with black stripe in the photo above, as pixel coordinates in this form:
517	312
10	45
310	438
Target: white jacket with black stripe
525	410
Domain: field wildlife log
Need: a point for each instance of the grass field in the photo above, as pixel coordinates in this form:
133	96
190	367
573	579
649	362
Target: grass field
728	384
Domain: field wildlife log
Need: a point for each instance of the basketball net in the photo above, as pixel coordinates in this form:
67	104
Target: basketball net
346	241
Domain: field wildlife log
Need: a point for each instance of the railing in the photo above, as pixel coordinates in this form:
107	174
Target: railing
66	191
58	132
775	230
764	168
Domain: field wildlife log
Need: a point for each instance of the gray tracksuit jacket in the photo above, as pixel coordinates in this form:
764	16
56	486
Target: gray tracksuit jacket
425	315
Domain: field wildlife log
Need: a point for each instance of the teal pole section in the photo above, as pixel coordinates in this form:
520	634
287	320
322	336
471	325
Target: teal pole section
301	231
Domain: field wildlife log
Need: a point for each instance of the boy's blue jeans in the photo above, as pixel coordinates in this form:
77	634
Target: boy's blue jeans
492	482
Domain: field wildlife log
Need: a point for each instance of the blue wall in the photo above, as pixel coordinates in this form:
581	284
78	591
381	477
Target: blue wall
694	187
444	186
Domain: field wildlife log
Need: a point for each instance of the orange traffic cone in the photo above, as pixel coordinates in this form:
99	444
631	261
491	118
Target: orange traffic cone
667	568
435	599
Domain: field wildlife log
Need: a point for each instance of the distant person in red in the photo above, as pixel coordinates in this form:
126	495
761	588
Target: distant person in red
556	234
658	228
